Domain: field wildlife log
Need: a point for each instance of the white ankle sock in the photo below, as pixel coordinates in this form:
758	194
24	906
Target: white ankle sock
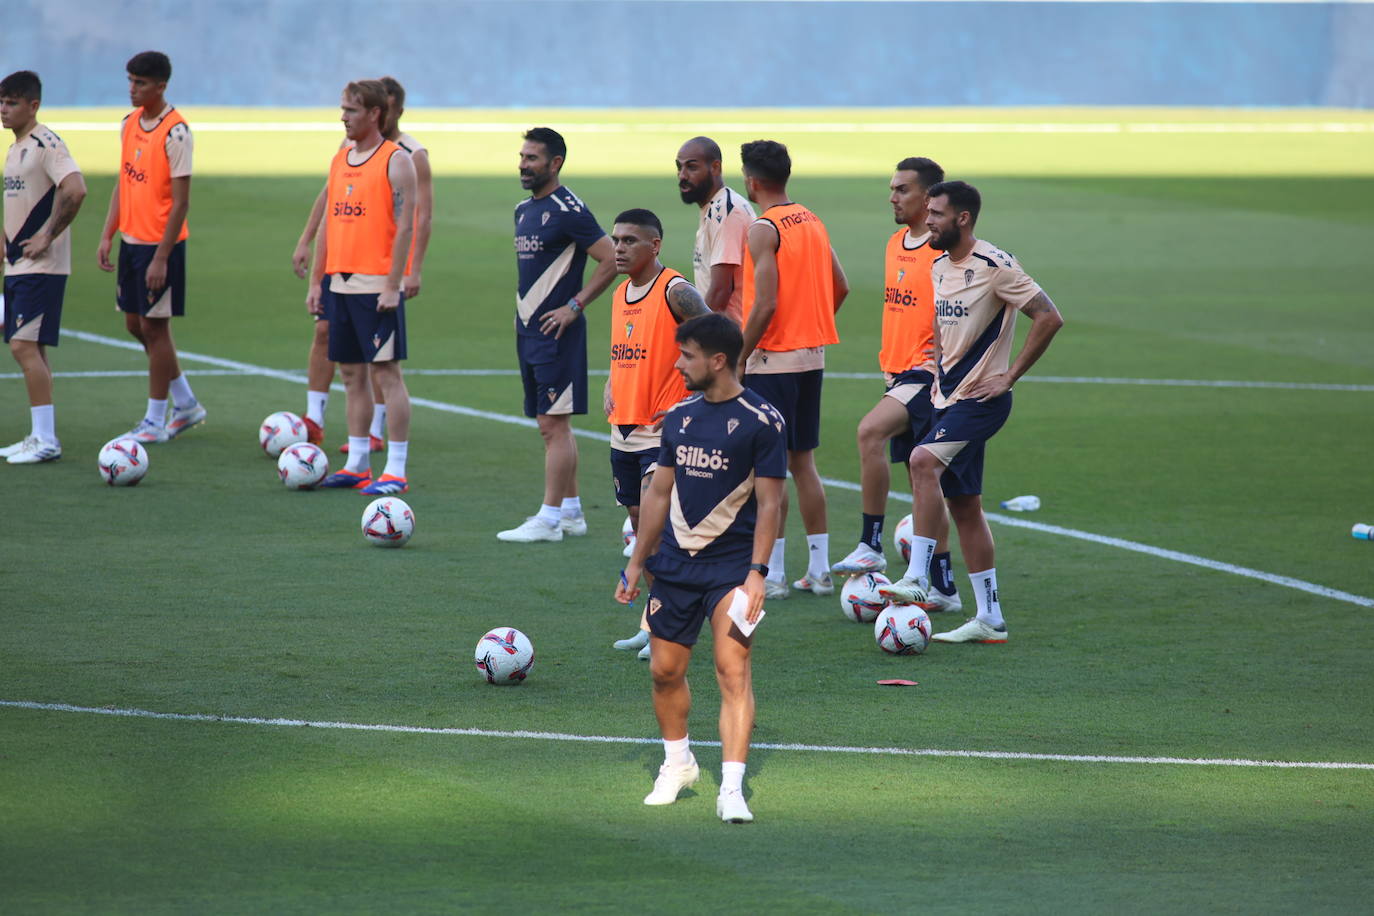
985	590
157	412
359	454
677	753
922	549
817	555
315	403
732	776
378	421
181	392
572	507
396	458
41	419
550	515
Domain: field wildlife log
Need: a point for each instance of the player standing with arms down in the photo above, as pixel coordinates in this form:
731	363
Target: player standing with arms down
793	286
363	244
978	290
320	372
148	209
554	233
708	522
907	358
646	311
722	227
43	192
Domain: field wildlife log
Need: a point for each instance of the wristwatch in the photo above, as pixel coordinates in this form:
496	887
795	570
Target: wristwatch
760	568
575	306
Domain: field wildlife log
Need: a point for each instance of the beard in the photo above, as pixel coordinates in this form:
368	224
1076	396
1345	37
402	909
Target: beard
530	179
944	241
696	193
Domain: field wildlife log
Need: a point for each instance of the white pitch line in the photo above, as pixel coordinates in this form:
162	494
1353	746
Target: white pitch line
619	739
1286	581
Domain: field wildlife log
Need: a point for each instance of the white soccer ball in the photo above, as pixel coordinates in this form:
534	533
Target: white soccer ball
504	656
302	466
901	538
388	522
902	629
280	430
859	598
123	462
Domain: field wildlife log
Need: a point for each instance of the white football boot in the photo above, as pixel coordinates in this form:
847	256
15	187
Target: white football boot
573	525
672	780
637	641
974	630
863	559
904	591
38	451
731	807
820	586
533	529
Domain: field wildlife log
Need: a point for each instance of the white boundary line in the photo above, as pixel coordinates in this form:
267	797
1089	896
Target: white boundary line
615	739
1105	540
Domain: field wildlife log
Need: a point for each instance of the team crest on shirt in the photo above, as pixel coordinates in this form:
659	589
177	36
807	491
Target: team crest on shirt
544	218
731	425
348	191
629	328
138	154
900	274
968	276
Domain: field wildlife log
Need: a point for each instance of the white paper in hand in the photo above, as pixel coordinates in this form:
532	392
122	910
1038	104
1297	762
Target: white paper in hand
739	612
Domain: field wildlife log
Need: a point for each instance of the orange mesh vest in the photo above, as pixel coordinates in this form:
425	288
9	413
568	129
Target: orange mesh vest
643	351
360	225
908	307
145	179
805	316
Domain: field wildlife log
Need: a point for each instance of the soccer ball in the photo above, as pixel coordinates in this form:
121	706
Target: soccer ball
859	598
504	656
902	629
123	462
388	522
302	466
901	538
280	430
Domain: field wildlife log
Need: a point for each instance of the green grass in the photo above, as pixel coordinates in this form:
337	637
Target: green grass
209	589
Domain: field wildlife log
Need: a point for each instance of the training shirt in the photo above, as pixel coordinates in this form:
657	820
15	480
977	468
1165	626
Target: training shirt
643	352
976	300
722	237
552	235
34	167
804	321
151	156
360	220
412	146
908	305
716	450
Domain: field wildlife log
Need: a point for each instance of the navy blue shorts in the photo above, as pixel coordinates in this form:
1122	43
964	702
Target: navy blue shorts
554	372
686	592
358	333
33	307
628	470
326	300
919	411
958	436
131	286
797	396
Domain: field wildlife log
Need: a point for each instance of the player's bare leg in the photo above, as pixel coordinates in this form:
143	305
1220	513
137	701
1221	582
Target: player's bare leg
640	640
156	335
811	501
319	375
389	385
885	421
975	539
672	703
41	444
32	358
734	675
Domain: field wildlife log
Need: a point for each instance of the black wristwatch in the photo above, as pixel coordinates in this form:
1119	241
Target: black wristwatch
760	568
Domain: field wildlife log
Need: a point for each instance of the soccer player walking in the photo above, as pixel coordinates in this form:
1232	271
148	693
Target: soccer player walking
978	290
646	310
148	209
43	192
361	255
554	233
722	226
907	357
707	524
793	286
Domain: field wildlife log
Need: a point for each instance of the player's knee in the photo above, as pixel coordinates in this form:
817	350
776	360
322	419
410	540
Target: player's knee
924	463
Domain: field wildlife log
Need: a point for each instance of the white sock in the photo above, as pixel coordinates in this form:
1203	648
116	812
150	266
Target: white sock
157	412
550	515
985	590
359	454
922	549
395	458
817	556
41	419
181	392
775	558
378	421
572	507
731	776
315	403
676	753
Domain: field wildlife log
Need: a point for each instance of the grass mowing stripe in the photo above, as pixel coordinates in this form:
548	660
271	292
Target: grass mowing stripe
1105	540
619	739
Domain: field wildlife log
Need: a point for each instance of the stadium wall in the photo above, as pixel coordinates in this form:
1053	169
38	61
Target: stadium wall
690	53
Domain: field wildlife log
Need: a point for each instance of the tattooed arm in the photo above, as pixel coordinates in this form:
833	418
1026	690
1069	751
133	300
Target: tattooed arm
686	302
401	173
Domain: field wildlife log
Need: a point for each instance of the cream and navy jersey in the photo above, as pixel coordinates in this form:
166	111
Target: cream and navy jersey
722	236
716	450
34	167
976	300
552	235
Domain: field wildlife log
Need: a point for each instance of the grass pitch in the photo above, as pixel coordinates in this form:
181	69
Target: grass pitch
209	589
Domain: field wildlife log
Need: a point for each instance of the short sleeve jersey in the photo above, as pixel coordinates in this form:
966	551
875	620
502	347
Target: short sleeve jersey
34	167
716	450
722	236
976	300
552	235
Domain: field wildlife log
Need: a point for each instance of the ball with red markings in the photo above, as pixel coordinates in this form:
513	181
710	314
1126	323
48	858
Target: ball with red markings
504	656
902	629
122	462
279	431
302	466
388	522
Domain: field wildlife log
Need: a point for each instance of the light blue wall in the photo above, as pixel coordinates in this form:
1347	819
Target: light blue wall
530	53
